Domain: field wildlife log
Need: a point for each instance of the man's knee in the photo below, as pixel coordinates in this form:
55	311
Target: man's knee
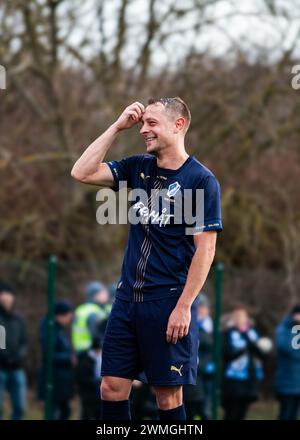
115	388
168	397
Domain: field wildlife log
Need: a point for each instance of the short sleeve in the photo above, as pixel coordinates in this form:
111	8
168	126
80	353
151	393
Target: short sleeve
123	170
207	206
212	204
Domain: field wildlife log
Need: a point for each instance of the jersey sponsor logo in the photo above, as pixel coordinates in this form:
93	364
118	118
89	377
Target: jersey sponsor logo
173	189
178	370
186	208
152	216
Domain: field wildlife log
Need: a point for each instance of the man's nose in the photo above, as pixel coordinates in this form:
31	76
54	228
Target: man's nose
143	130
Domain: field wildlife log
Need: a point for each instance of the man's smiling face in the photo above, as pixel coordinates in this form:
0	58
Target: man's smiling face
157	128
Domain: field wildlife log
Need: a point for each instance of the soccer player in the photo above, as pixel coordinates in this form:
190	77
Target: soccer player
152	330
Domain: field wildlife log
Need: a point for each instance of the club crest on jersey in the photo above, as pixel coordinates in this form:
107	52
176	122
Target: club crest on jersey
173	189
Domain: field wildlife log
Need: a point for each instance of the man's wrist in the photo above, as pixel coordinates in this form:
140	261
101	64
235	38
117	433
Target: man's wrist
184	303
115	128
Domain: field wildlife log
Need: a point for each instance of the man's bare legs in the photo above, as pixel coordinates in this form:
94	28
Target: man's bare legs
168	397
170	402
115	393
115	388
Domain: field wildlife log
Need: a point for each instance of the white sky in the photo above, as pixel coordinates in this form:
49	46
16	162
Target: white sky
233	23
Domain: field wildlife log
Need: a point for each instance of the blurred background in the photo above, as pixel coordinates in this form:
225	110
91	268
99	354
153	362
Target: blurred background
73	66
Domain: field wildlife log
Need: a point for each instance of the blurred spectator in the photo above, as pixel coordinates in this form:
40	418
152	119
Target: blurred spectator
198	398
88	380
91	317
206	365
63	361
143	404
112	288
242	367
12	375
287	377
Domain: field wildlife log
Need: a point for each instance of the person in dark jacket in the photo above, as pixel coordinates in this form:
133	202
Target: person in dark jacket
63	361
142	399
206	366
88	376
198	398
242	366
287	376
13	349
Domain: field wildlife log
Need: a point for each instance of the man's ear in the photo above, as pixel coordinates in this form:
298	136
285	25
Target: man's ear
179	124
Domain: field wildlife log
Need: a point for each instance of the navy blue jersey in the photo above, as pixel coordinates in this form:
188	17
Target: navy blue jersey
160	248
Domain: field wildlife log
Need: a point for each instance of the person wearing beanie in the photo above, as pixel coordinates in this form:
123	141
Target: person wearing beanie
89	325
295	313
90	317
112	288
64	361
202	300
287	374
13	350
63	308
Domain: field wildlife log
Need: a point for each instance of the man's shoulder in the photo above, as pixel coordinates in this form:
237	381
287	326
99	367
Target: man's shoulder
134	162
141	158
199	174
199	169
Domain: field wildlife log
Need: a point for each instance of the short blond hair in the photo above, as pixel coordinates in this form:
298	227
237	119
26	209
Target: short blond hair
176	106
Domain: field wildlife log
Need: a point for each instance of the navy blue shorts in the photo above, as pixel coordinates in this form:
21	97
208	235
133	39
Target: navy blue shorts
135	345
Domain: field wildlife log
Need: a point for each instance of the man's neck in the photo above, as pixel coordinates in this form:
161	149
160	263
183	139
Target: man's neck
172	160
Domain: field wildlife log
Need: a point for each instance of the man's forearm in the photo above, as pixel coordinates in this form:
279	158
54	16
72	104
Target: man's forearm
89	161
197	274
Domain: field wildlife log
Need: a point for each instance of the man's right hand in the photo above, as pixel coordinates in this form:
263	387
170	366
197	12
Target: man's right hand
130	116
90	168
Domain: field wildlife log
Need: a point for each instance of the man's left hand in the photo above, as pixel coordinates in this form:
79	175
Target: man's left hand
178	324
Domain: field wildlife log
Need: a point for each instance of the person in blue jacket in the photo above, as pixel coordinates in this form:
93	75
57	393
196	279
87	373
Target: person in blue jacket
287	376
198	399
63	361
242	366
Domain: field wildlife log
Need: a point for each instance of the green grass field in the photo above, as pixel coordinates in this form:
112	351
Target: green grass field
263	410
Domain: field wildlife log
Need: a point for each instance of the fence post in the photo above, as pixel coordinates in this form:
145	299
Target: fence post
217	354
52	264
